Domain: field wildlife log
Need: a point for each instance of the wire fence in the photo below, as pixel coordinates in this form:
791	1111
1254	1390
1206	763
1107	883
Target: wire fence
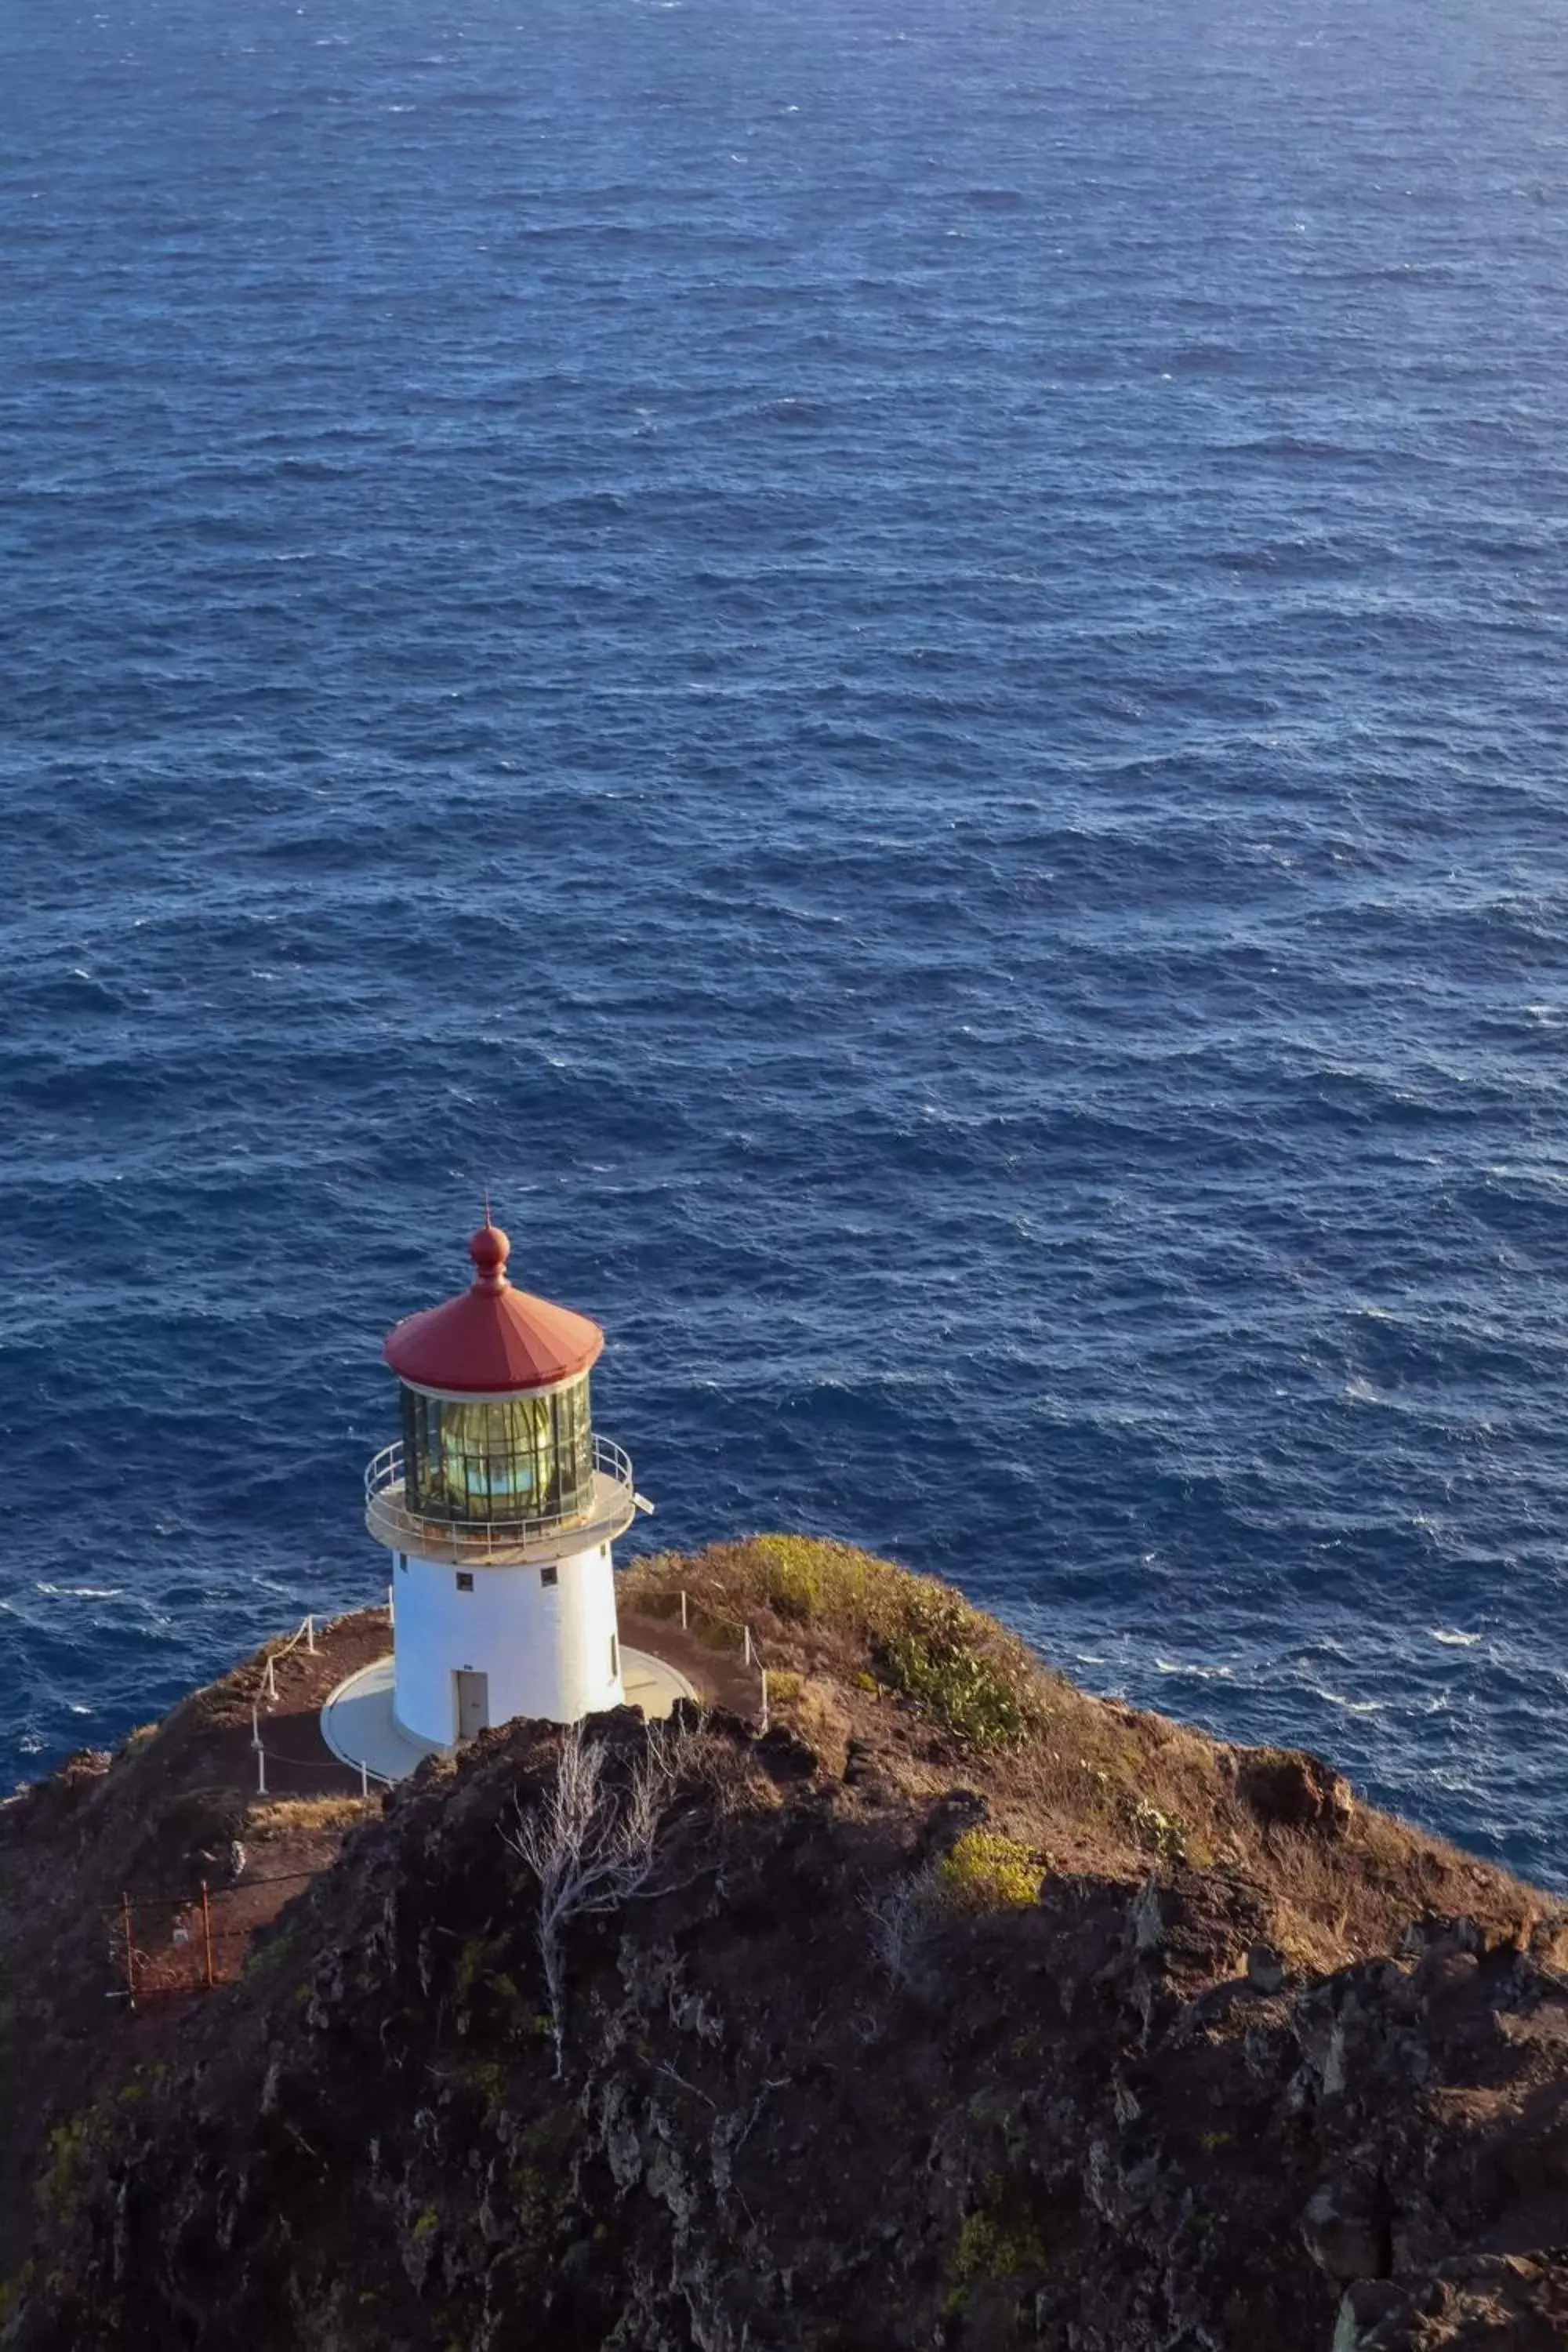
165	1945
709	1626
267	1691
715	1632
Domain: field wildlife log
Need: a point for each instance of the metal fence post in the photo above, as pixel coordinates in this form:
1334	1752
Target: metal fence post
261	1769
683	1612
271	1678
310	1635
363	1777
747	1632
764	1698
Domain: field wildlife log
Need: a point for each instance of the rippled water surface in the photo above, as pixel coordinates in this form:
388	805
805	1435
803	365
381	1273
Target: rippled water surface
901	666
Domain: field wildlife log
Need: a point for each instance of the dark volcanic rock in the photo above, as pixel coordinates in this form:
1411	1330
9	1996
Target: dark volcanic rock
929	2052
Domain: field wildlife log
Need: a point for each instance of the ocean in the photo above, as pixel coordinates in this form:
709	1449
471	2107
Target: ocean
900	666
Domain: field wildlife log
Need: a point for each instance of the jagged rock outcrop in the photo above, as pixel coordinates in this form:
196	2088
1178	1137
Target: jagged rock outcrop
1125	2102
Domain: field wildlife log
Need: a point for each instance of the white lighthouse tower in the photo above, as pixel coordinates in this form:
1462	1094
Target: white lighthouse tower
499	1506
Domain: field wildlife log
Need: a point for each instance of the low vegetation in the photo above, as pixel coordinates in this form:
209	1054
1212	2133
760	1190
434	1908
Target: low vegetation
984	1871
1001	2240
1111	1786
865	1618
965	2007
290	1817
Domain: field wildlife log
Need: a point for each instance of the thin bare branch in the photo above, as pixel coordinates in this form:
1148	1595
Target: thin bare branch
591	1846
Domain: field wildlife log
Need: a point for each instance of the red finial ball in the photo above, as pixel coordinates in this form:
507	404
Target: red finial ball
490	1250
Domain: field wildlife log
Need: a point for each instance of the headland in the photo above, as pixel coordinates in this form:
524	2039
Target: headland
919	1999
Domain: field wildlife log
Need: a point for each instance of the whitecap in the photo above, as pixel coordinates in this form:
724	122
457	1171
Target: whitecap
1349	1706
1452	1640
80	1591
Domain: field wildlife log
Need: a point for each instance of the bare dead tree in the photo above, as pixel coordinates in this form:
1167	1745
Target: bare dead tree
591	1845
900	1917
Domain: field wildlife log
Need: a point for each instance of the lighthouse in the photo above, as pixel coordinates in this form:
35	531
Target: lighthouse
499	1505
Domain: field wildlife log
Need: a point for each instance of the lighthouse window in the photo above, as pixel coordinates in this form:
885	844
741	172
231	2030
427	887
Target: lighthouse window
550	1576
506	1459
615	1657
465	1580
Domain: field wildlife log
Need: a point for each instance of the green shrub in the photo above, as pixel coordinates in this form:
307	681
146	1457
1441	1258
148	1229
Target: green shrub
987	1872
803	1579
1158	1833
716	1632
475	1961
914	1636
806	1577
14	2292
485	2078
68	2143
937	1654
260	1957
1000	2239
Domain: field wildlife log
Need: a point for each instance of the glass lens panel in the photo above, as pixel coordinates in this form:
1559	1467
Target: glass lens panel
527	1458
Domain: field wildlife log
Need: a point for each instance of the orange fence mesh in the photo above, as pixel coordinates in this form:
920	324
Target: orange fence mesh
164	1944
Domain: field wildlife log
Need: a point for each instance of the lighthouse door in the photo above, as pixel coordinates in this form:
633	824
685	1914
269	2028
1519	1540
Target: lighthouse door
473	1703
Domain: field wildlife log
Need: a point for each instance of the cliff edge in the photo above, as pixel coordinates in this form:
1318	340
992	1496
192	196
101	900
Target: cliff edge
958	2008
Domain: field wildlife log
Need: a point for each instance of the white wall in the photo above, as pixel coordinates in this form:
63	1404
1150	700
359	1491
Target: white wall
546	1648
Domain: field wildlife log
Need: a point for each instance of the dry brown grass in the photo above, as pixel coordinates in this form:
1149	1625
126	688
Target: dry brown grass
816	1710
1099	1771
292	1817
814	1605
1117	1789
1360	1891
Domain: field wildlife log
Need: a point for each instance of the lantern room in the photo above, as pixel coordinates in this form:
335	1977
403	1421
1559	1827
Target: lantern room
498	1453
498	1459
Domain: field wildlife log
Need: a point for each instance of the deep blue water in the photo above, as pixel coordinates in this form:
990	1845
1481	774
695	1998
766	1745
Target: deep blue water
901	666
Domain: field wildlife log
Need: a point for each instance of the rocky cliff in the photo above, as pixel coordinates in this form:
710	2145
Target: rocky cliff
957	2010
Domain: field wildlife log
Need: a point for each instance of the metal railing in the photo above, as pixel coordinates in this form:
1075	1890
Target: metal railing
304	1632
267	1689
693	1614
614	1499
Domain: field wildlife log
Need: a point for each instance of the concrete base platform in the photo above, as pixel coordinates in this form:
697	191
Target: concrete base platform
652	1684
357	1722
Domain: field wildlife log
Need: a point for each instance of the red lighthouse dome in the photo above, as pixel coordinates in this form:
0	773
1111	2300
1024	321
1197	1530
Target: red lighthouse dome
493	1340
